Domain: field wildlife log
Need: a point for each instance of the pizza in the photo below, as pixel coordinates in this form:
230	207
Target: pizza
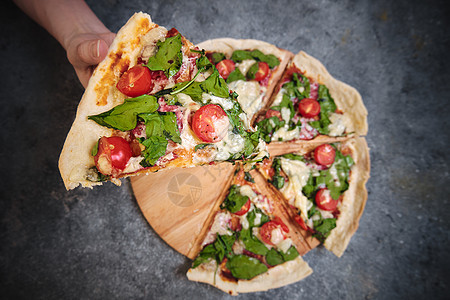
159	102
251	68
309	103
325	187
251	243
155	102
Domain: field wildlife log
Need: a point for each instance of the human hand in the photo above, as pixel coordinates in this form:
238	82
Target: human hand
85	51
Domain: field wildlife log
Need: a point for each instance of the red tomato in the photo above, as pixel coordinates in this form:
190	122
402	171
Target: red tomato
273	113
172	32
210	123
112	155
262	72
309	108
300	222
244	209
225	67
324	200
136	81
266	230
324	155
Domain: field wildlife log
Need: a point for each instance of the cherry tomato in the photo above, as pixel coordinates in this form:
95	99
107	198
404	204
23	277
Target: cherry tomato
273	113
324	155
262	72
225	67
172	32
210	123
244	209
324	200
136	81
309	108
300	222
112	155
266	230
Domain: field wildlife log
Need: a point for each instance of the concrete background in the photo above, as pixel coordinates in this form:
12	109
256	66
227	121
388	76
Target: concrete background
95	244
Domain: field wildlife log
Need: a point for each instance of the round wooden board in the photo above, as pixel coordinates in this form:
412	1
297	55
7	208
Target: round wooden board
178	202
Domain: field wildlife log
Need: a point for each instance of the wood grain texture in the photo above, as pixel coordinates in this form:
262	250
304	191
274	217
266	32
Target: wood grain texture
178	203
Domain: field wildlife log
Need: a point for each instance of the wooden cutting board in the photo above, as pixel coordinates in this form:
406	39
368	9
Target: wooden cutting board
177	203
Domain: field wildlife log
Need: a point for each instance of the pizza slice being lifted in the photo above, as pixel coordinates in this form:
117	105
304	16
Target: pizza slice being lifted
309	103
324	184
251	68
251	244
155	102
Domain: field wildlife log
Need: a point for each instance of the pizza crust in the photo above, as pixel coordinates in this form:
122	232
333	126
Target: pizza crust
347	98
278	276
355	198
229	45
101	95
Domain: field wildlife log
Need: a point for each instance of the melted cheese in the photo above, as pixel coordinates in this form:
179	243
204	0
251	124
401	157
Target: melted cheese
219	227
247	190
334	174
285	135
276	236
231	144
338	124
245	65
250	95
278	98
133	164
225	103
298	174
284	245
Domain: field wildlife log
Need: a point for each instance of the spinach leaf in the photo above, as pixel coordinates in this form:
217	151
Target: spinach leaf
323	228
268	126
251	243
290	254
270	59
274	257
221	247
244	267
298	87
124	116
235	75
248	177
251	216
215	85
293	156
252	71
277	180
240	55
327	106
155	147
162	124
234	200
217	57
201	146
168	58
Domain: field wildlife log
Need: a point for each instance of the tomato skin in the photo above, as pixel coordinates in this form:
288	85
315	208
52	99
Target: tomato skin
172	32
225	67
266	230
273	113
112	155
244	209
324	200
210	123
309	108
300	222
324	154
135	82
263	71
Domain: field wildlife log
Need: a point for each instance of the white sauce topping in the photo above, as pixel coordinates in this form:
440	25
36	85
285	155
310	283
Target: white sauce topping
276	236
284	245
133	164
231	144
278	98
285	135
298	174
219	226
333	173
338	124
250	95
247	190
225	103
257	220
245	65
286	114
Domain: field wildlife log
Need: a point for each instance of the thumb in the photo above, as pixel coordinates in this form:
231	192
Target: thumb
91	52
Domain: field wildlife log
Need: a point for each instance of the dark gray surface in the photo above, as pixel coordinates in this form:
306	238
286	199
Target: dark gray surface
95	244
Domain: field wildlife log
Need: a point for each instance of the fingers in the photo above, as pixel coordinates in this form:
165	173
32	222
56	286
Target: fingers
91	52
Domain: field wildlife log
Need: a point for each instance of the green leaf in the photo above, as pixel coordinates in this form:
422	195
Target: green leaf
252	71
274	258
217	57
155	147
124	116
171	131
221	247
323	228
235	75
251	216
290	254
267	127
327	106
293	156
215	85
201	146
248	177
244	267
277	179
162	124
240	55
94	149
168	58
251	243
234	200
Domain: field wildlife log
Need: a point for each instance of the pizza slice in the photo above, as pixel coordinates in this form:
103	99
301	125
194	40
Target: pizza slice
155	102
251	68
325	186
251	244
309	103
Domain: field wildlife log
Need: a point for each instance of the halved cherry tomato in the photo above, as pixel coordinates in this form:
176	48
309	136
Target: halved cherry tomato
210	123
262	72
266	230
136	81
324	200
225	67
309	108
112	155
324	155
273	113
300	222
172	32
244	209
